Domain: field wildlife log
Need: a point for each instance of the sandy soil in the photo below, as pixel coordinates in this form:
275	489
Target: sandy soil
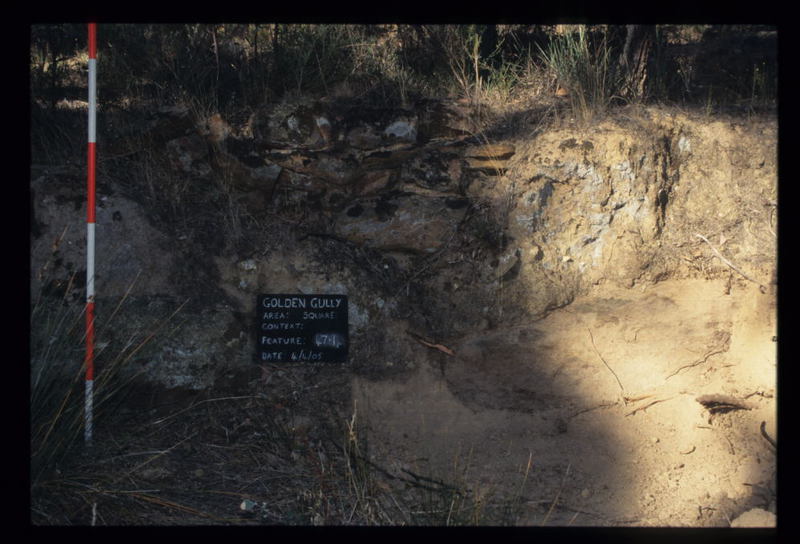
627	407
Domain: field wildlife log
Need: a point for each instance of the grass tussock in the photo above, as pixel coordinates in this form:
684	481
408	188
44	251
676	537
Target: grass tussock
586	71
58	370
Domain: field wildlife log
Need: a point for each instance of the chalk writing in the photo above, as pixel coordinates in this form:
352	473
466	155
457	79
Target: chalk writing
302	328
319	315
304	355
331	339
281	326
269	340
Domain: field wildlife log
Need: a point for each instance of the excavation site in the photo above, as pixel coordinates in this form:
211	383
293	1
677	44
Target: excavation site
406	275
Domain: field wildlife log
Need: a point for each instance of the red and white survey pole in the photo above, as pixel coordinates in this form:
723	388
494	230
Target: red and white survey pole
90	221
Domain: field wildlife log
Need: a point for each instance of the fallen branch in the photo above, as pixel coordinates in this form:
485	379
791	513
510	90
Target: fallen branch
730	264
440	347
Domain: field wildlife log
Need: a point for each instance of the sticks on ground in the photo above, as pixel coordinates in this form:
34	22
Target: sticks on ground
730	264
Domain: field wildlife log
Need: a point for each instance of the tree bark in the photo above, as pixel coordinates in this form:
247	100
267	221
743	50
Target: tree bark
635	59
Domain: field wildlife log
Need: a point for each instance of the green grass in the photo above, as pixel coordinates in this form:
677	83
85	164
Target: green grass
587	71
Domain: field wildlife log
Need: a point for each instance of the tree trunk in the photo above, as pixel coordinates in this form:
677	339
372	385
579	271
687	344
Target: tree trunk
635	58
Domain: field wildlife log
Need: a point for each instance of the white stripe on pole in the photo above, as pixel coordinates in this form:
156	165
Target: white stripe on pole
90	262
92	99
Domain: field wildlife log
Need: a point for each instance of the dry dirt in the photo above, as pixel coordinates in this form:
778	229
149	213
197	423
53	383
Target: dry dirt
600	402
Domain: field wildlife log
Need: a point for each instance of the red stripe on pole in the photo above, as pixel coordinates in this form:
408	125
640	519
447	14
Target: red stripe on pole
90	205
89	341
92	40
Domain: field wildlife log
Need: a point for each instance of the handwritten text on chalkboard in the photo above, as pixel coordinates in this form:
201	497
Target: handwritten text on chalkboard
298	328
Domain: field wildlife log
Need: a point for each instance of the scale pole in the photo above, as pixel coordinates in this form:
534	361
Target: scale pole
90	223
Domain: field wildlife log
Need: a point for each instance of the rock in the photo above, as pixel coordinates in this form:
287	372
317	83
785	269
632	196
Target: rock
491	167
490	151
402	223
371	182
295	122
755	517
507	263
364	137
130	247
185	152
438	119
432	167
402	129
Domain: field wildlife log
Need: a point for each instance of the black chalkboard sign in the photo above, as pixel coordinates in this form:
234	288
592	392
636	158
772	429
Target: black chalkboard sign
302	328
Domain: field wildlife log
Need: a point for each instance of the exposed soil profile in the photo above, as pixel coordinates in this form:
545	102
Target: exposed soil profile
550	320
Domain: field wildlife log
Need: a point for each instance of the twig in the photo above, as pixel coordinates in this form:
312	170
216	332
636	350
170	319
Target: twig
599	406
171	504
622	389
730	264
648	405
440	347
698	362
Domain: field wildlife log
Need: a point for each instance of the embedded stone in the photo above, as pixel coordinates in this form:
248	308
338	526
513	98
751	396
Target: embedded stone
412	223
